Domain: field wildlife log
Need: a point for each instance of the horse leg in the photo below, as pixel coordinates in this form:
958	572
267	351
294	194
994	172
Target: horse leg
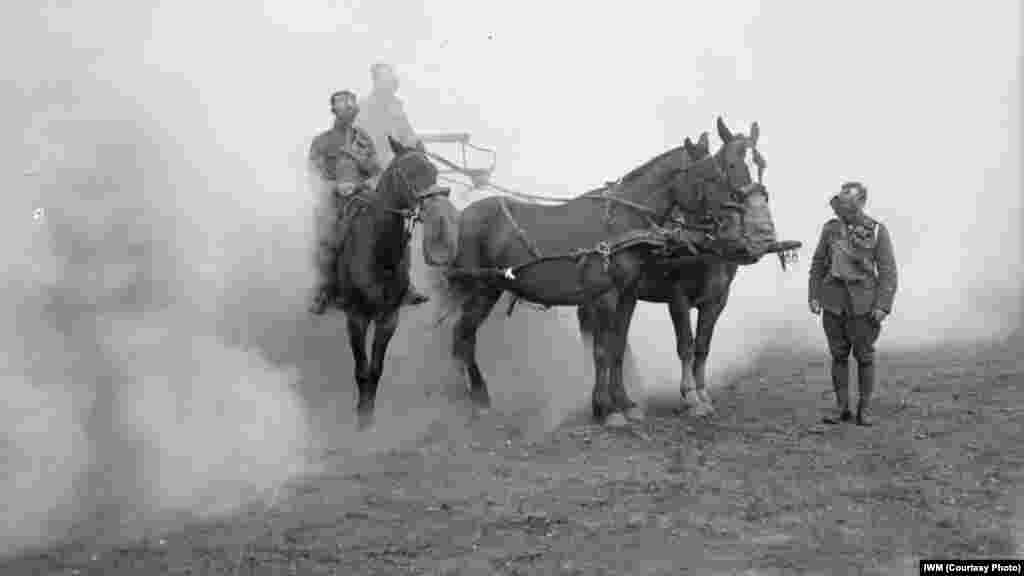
383	330
585	316
474	312
631	376
601	402
624	316
679	310
707	316
357	325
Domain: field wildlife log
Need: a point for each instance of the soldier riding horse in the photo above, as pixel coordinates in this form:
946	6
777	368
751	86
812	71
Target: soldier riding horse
345	160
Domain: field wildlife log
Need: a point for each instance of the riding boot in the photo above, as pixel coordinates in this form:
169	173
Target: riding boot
841	387
413	297
865	385
321	299
327	287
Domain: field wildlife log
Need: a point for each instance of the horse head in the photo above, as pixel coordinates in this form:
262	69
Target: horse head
411	178
416	177
749	216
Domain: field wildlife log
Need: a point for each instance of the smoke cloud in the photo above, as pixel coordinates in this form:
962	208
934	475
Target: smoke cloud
158	360
141	238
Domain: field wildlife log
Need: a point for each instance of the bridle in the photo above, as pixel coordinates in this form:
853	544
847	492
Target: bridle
710	220
654	218
410	216
739	195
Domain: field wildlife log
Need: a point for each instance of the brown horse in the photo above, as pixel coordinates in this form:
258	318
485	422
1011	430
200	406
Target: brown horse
703	282
377	228
591	250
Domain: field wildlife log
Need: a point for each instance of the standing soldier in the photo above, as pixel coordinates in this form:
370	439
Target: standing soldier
384	115
853	284
344	158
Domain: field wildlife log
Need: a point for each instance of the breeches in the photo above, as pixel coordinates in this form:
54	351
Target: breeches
848	334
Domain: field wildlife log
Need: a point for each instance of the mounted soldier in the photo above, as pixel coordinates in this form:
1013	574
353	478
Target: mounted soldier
383	116
852	284
345	160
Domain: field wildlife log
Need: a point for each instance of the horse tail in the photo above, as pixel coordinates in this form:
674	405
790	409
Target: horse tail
450	292
457	237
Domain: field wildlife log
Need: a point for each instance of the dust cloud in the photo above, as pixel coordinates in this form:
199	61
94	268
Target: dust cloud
158	222
136	398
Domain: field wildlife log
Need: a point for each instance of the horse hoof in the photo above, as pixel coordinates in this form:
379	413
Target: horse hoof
635	413
481	403
703	410
616	420
689	400
704	397
365	421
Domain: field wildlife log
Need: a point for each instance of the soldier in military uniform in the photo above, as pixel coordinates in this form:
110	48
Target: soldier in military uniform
852	284
344	158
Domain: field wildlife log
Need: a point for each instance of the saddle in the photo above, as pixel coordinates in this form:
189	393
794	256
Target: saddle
347	206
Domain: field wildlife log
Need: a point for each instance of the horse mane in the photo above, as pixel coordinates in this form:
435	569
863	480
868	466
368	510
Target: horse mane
640	170
635	173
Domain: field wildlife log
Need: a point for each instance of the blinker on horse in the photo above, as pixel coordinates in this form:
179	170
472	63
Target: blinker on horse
377	229
591	250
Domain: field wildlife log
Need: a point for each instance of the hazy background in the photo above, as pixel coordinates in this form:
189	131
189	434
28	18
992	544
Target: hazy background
158	227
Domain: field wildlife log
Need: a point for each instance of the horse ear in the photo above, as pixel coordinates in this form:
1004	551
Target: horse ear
755	132
688	144
703	141
723	131
396	146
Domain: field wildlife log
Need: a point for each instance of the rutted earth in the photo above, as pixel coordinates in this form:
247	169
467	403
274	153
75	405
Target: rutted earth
761	488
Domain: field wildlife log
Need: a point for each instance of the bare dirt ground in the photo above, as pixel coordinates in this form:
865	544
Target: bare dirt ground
761	488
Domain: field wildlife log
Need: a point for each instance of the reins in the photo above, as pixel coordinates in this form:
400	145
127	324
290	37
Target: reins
410	216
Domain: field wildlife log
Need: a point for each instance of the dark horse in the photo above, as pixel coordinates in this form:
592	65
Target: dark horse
591	250
376	231
704	282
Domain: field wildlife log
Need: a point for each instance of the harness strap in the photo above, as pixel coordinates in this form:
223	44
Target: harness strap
534	251
657	237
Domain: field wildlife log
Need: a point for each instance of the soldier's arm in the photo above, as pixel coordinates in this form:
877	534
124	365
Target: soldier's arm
885	260
819	263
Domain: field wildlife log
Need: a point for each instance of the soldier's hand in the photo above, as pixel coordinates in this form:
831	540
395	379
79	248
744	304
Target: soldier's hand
815	307
878	315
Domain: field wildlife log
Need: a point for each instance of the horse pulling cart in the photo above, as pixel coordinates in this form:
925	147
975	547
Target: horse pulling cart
600	252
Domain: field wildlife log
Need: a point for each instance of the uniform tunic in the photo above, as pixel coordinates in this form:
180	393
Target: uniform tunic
853	272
